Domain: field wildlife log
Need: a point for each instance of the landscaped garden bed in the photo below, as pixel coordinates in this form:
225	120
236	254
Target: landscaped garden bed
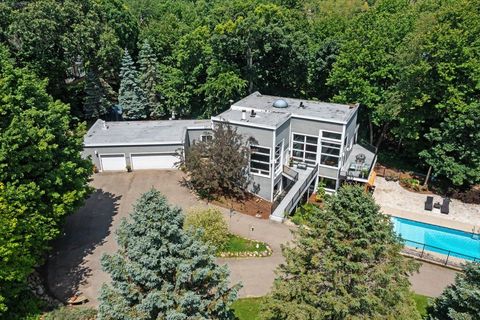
237	247
251	205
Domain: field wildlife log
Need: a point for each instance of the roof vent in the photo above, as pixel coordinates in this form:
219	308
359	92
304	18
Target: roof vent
252	114
280	103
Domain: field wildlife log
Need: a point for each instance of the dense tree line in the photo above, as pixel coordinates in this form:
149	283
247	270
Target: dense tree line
412	65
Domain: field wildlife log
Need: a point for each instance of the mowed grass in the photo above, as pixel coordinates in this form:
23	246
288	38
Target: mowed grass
239	244
422	303
249	308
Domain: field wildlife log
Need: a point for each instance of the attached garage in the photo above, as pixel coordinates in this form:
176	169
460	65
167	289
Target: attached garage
153	161
113	162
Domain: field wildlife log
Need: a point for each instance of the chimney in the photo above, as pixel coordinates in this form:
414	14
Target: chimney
244	114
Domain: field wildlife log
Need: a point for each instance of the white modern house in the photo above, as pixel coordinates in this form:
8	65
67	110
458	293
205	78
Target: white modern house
297	143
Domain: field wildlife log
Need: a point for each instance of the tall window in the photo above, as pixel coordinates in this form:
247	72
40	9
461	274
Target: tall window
260	160
304	148
330	149
278	158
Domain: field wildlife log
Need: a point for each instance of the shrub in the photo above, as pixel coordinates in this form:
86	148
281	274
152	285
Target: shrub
71	313
320	191
211	221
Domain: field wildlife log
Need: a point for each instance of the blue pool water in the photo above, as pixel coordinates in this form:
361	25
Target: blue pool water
438	239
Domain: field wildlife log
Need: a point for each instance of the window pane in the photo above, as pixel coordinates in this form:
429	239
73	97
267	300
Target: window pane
331	135
297	154
329	183
329	160
297	137
257	149
310	148
310	156
260	157
330	144
312	140
332	151
298	146
261	166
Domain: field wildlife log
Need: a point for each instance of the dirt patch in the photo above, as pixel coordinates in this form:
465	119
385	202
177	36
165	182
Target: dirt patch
252	206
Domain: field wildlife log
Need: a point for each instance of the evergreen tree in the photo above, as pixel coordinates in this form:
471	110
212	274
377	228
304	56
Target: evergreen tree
96	103
346	265
148	66
131	97
461	300
161	271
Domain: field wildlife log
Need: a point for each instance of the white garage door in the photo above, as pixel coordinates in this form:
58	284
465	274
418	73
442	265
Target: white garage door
113	162
153	161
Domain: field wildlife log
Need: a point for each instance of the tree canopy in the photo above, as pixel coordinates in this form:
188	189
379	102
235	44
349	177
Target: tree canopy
162	271
345	265
42	176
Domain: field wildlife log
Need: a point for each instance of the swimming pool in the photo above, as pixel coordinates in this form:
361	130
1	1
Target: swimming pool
438	239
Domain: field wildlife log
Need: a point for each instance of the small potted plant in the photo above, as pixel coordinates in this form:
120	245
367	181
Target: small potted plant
129	168
290	162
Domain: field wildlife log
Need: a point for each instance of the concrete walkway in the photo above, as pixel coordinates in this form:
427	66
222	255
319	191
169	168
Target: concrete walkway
89	233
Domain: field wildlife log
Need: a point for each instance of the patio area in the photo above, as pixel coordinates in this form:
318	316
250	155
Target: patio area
397	201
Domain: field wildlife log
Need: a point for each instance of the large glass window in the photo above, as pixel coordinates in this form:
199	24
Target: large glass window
304	148
260	160
330	153
331	135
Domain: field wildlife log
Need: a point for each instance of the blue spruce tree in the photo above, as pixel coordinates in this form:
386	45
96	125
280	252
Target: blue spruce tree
148	66
162	272
131	97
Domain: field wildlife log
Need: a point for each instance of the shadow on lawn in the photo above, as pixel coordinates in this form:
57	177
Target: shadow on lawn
83	231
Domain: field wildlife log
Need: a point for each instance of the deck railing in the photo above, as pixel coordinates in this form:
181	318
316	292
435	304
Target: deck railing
436	254
300	191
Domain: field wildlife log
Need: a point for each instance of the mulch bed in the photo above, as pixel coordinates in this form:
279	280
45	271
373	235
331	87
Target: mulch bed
253	206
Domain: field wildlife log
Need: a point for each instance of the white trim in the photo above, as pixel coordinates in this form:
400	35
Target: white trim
133	144
112	154
304	143
318	119
244	123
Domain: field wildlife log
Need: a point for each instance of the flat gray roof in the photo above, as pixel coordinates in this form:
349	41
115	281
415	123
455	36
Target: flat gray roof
271	120
141	132
326	111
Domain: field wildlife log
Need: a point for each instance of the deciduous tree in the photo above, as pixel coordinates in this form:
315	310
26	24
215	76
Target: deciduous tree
42	175
162	271
345	265
219	166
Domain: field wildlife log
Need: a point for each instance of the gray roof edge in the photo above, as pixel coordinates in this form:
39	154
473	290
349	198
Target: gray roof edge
247	124
153	143
320	119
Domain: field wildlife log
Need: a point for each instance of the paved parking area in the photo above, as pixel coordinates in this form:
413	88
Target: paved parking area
74	263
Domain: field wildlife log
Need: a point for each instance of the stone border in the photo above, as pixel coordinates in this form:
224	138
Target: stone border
247	254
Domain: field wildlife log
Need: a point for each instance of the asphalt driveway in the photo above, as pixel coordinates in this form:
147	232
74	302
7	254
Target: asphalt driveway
74	264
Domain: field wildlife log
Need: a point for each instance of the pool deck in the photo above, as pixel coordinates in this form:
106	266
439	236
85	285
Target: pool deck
396	201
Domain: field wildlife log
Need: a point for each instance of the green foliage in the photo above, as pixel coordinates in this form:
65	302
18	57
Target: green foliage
218	167
162	271
303	214
96	104
43	177
454	153
71	313
239	244
345	265
321	193
422	303
148	67
211	222
132	99
247	308
460	300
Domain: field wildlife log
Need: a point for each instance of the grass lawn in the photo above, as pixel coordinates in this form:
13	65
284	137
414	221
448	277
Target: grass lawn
422	303
249	308
239	244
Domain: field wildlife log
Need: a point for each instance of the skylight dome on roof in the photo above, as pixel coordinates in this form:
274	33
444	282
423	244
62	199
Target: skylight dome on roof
280	103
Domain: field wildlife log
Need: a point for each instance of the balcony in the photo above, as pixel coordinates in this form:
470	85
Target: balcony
360	163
